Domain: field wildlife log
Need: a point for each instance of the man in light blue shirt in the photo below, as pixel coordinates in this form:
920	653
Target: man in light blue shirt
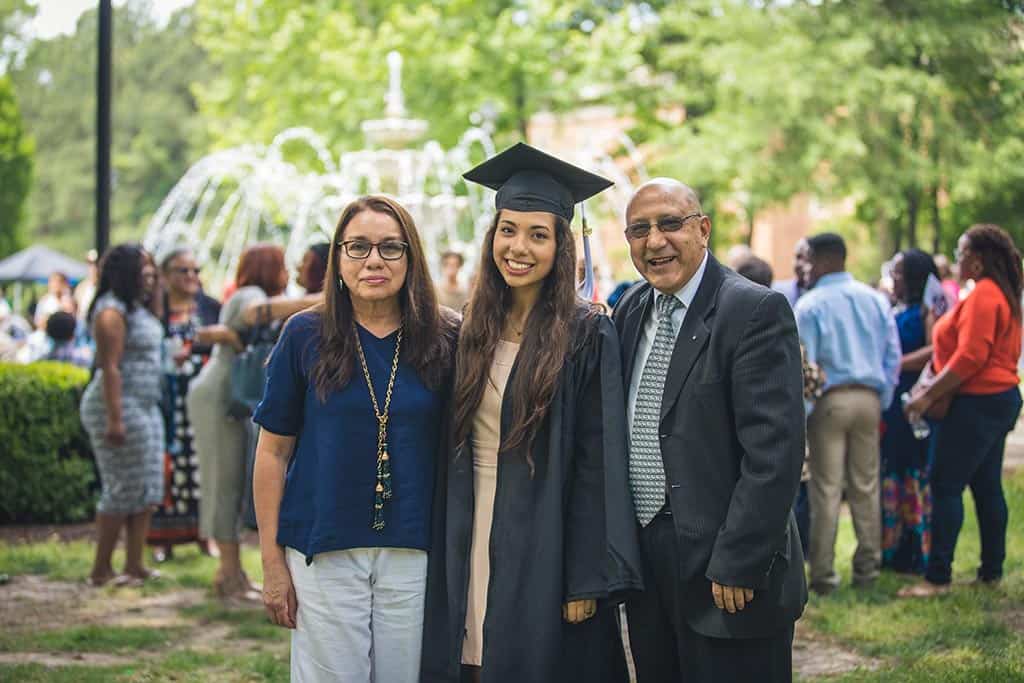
847	329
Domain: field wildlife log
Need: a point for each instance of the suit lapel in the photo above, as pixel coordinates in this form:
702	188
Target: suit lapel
693	335
634	327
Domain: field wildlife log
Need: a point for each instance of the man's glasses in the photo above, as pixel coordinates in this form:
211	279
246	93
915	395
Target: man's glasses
185	271
390	250
638	231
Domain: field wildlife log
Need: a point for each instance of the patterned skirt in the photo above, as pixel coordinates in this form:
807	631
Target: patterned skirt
131	476
177	519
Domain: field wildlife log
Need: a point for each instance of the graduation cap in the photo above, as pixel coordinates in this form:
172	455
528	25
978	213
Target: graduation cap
527	179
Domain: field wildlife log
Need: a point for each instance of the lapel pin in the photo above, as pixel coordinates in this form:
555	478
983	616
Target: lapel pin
693	338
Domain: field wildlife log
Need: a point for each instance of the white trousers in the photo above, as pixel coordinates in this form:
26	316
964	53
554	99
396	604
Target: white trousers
360	616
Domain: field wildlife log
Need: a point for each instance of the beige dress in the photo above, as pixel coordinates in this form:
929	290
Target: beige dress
486	440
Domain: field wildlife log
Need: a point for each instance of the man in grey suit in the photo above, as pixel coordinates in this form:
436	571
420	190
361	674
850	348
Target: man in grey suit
716	416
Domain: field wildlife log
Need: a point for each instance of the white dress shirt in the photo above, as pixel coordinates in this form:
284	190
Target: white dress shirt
650	328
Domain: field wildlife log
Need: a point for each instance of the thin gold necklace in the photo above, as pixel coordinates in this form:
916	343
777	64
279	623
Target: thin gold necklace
382	490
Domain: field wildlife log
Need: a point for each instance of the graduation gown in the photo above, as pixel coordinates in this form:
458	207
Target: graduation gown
568	533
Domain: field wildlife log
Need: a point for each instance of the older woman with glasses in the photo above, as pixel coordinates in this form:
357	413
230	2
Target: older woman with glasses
188	319
350	431
975	398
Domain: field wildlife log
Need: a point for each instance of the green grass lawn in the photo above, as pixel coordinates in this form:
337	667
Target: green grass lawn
963	636
971	635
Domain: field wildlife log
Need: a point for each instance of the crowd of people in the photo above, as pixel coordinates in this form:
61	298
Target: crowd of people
55	328
499	481
920	391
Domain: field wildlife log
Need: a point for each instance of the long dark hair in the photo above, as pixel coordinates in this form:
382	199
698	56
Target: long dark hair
917	266
1000	260
121	273
428	331
546	341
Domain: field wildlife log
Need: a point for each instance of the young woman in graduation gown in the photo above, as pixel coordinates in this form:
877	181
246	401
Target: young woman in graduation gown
534	530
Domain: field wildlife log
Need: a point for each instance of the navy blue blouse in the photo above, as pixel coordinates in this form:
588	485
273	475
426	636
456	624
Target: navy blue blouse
329	487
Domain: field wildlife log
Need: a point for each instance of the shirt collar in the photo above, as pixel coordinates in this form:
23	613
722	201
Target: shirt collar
688	291
833	279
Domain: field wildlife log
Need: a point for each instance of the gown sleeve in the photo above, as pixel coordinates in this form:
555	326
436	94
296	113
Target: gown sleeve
602	554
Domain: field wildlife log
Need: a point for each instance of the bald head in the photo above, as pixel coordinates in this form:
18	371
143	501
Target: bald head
679	192
667	232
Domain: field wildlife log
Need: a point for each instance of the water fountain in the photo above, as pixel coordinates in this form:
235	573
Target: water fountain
248	194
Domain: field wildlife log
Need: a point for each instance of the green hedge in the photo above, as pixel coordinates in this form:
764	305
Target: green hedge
46	468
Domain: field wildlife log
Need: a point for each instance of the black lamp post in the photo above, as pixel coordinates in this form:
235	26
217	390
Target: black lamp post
103	99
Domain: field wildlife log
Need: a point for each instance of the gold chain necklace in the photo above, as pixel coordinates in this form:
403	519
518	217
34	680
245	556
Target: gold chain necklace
382	491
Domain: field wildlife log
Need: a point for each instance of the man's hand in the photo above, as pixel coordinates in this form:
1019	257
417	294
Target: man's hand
578	611
731	598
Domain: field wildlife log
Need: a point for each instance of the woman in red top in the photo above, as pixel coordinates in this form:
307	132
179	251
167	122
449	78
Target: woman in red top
976	348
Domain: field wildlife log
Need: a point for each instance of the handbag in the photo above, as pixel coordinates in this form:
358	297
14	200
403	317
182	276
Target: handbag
939	407
249	371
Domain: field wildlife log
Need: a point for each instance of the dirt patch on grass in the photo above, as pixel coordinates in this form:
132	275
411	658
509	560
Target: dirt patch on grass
816	657
53	660
1014	620
36	602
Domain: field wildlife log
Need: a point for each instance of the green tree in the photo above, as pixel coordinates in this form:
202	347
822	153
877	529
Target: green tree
321	63
156	129
912	110
14	15
15	169
933	94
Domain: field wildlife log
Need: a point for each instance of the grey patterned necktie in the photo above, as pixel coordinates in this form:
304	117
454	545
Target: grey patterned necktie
646	470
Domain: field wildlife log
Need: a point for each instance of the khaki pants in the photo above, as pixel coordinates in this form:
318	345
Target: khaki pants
842	433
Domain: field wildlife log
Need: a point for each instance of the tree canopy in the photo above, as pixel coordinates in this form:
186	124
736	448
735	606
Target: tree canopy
15	169
910	112
321	63
156	129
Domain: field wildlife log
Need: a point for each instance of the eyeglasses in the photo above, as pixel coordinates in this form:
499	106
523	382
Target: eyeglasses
184	270
390	250
638	231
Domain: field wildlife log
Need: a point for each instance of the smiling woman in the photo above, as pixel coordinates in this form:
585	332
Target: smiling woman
536	468
353	412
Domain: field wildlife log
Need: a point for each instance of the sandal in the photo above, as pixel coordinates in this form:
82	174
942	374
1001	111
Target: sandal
100	581
128	581
236	589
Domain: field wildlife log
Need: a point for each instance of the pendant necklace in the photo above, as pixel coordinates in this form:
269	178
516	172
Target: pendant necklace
382	489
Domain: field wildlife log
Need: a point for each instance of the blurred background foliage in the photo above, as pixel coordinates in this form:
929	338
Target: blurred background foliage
910	112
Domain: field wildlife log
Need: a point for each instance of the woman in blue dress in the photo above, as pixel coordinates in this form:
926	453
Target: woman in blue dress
906	496
351	424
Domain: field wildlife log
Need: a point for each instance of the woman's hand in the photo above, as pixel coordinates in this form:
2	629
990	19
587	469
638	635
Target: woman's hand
578	611
115	433
279	594
917	406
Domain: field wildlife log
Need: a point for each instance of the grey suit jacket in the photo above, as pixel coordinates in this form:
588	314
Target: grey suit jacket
732	438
